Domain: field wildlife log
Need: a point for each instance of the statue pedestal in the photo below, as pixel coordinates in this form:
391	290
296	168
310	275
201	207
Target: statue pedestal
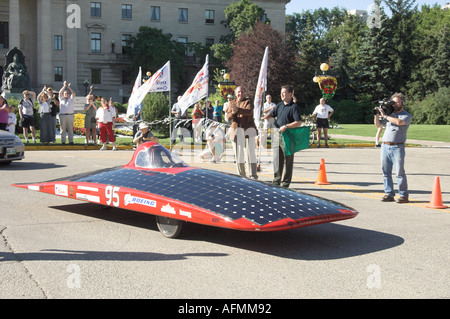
8	95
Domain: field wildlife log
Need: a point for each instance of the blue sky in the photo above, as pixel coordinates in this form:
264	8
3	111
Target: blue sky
303	5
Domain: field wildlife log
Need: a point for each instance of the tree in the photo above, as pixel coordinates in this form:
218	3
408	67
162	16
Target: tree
346	37
434	109
375	69
318	22
151	49
310	33
402	26
245	64
240	18
308	62
431	51
343	73
441	67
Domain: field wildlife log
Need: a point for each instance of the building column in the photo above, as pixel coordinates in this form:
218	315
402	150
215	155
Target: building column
70	73
14	24
44	43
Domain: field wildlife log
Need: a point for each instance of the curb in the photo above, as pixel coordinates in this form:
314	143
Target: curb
75	147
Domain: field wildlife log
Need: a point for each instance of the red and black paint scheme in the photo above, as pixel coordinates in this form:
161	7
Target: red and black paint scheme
158	182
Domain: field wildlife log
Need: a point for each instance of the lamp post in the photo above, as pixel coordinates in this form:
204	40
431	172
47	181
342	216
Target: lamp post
327	83
226	87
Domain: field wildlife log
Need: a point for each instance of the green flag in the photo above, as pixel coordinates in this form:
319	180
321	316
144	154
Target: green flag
296	139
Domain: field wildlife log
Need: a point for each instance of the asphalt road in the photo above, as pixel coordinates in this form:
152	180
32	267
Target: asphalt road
53	247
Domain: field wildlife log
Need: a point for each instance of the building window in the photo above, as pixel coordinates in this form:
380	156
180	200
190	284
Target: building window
4	35
96	43
96	76
126	11
209	42
184	40
57	42
182	15
126	38
127	78
58	74
155	13
264	18
209	16
96	9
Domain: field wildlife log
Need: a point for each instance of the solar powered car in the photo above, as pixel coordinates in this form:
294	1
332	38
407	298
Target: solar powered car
158	182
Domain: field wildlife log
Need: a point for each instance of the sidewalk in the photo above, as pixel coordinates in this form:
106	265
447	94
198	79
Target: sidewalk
370	143
408	141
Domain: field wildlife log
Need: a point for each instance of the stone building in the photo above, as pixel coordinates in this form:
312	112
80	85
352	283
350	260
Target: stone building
83	41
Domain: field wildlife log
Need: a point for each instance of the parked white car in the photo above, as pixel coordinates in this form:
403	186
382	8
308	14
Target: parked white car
11	148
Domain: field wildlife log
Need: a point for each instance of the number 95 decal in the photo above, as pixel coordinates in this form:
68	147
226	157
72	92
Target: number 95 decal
112	196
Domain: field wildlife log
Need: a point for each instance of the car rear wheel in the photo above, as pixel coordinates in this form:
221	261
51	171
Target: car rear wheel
169	227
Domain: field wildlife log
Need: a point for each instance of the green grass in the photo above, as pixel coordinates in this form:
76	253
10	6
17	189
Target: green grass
439	133
76	140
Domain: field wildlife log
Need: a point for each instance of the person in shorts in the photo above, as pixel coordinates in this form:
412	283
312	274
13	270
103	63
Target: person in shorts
323	113
26	113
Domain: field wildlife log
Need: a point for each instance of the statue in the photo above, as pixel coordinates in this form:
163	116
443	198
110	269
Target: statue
15	76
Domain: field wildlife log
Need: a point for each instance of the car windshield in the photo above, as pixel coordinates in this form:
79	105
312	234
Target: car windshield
158	156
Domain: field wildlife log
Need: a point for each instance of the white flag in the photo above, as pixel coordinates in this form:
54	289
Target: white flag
150	83
132	100
198	89
260	88
162	84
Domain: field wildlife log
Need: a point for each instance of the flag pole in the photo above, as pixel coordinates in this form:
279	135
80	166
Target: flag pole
261	87
170	121
258	166
170	108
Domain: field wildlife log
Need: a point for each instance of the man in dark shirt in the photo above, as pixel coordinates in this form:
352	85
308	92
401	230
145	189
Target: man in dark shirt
288	116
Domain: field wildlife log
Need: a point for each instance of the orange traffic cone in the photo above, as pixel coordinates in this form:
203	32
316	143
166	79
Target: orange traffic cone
322	178
436	196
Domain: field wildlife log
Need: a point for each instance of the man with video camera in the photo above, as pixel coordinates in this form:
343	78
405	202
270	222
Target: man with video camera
393	147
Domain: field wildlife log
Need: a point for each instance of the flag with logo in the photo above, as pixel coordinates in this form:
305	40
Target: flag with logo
132	100
198	89
142	91
162	84
260	88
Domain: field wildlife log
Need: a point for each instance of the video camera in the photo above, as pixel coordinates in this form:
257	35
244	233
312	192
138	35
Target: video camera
386	105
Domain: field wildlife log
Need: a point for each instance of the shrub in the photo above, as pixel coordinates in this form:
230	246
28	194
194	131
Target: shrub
156	108
349	111
433	109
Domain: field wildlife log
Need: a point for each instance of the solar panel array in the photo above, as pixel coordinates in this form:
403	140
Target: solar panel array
225	194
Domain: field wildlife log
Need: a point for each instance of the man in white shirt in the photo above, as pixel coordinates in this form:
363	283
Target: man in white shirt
66	116
323	113
268	123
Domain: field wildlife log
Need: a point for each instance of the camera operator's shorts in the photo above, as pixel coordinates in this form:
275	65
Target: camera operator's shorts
322	123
